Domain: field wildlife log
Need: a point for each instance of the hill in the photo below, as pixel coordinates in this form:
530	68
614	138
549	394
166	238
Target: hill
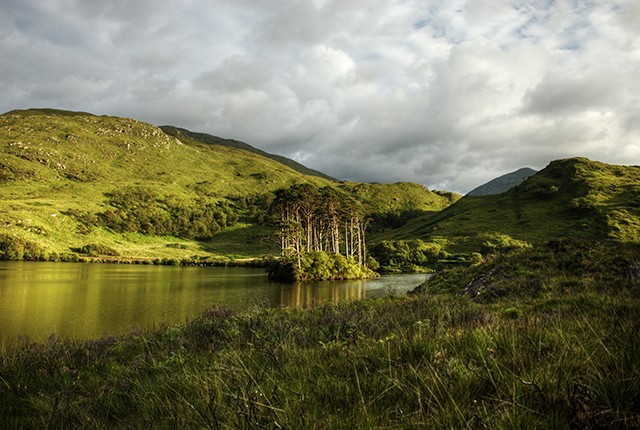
503	183
214	140
569	198
73	179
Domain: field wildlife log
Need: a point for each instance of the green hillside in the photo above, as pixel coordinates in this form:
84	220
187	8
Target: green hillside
180	133
573	198
72	179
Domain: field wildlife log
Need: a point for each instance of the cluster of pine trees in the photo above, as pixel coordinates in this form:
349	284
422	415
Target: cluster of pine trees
319	219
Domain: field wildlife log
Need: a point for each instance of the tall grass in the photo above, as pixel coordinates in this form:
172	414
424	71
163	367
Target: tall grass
546	359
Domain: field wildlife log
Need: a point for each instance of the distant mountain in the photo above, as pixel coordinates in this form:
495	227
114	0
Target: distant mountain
503	183
214	140
573	197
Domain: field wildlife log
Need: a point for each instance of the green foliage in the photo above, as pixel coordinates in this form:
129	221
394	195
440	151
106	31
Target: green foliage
253	207
15	248
406	255
96	249
372	263
136	210
318	265
501	244
381	221
316	219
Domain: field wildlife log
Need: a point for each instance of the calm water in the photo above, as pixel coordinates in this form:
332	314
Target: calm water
88	300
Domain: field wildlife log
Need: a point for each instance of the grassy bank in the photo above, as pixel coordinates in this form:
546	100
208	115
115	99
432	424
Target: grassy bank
548	337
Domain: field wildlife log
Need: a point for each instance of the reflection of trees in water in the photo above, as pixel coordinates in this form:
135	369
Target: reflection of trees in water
305	294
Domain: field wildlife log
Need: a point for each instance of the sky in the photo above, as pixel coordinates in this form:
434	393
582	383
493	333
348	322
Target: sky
446	93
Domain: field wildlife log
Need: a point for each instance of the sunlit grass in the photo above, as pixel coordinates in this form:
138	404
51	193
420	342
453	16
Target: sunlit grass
574	197
52	161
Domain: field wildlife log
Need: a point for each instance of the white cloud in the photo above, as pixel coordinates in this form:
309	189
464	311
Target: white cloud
445	93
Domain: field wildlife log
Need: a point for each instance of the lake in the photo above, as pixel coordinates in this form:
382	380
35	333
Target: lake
84	300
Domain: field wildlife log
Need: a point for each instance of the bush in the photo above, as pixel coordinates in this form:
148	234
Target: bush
170	262
137	210
11	248
15	248
395	255
95	249
316	266
502	244
69	257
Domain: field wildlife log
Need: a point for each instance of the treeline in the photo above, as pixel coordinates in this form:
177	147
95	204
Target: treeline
253	207
13	248
136	210
393	219
406	255
309	218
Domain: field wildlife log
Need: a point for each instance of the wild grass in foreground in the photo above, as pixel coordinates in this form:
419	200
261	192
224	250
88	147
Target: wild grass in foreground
550	339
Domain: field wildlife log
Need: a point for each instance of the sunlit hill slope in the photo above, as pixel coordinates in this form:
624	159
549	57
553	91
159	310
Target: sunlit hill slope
569	198
173	194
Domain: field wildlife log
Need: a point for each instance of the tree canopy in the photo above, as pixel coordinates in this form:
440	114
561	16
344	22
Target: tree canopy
322	233
319	219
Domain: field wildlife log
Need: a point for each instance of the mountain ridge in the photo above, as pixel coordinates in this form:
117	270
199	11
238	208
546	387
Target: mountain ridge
70	179
503	183
215	140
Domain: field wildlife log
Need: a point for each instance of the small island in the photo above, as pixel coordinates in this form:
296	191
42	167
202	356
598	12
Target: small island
322	235
318	266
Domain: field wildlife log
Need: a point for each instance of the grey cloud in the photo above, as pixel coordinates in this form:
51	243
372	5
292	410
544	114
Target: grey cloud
236	73
630	16
292	23
445	93
559	93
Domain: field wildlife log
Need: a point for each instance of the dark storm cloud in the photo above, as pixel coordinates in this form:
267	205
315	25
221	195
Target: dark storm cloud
449	94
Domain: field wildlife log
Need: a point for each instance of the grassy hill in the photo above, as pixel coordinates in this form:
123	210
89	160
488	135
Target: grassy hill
62	172
72	179
180	133
573	197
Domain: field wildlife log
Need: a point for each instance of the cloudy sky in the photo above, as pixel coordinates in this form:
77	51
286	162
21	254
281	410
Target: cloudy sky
446	93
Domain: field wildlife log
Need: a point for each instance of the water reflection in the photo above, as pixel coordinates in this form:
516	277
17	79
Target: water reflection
305	294
88	300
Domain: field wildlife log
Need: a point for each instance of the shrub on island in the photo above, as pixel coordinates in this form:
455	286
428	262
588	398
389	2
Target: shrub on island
317	266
